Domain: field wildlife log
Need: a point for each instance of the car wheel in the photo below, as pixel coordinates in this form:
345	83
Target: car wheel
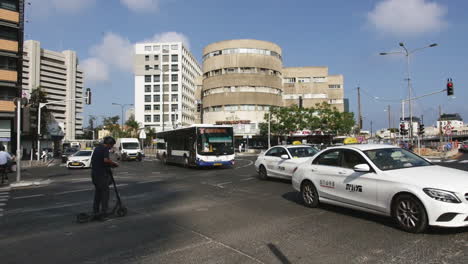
410	213
262	173
309	194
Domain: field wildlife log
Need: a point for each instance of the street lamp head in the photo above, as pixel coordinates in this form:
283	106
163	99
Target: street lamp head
383	53
402	44
115	104
433	45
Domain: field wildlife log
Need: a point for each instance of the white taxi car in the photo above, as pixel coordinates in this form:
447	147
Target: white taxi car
81	159
280	161
386	180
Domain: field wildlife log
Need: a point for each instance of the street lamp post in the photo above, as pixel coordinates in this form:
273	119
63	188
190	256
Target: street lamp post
122	107
407	53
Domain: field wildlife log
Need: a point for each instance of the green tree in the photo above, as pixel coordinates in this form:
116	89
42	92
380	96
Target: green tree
111	124
150	135
39	96
132	127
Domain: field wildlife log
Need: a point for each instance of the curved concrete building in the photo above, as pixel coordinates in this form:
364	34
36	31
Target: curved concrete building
241	80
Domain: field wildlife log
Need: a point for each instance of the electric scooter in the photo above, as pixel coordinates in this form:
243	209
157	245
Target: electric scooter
119	209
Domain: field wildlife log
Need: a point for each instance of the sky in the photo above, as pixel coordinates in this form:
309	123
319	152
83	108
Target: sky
347	36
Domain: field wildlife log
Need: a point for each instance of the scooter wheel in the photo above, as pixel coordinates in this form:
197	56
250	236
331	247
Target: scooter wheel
83	218
122	211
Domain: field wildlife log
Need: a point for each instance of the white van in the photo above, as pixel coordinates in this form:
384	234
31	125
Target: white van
128	149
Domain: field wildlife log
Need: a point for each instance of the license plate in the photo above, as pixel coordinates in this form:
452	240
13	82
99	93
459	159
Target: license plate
75	164
218	164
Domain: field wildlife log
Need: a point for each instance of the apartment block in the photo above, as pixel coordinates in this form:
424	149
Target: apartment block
59	75
11	43
165	84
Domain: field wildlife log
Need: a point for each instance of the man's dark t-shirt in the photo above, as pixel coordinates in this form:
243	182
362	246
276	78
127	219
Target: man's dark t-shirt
98	167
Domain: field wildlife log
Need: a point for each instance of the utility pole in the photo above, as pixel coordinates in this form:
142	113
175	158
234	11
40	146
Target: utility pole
389	116
371	128
359	109
440	124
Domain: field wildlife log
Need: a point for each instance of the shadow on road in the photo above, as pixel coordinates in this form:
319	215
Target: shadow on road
281	257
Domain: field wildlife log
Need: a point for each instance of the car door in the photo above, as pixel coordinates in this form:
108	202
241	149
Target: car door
325	170
285	167
271	160
356	188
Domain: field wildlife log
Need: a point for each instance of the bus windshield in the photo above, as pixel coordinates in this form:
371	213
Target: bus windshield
215	141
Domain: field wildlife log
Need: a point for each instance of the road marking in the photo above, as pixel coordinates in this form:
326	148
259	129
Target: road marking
250	163
449	161
2	204
74	191
248	179
28	196
3	199
150	181
220	185
1	209
463	161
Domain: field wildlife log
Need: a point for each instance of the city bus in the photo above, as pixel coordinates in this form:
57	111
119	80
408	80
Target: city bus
197	146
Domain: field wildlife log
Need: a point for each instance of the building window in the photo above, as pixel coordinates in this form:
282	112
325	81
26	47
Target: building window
147	98
174	87
165	58
8	63
156	118
174	47
147	107
156	98
175	58
174	107
217	108
231	108
156	48
165	68
9	4
289	80
147	68
157	78
334	86
156	67
174	67
303	80
175	77
174	98
174	117
147	118
147	78
320	79
156	88
156	107
166	48
147	48
8	33
146	57
147	88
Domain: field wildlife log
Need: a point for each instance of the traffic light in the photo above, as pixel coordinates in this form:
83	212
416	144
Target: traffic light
199	107
88	96
421	129
403	130
449	87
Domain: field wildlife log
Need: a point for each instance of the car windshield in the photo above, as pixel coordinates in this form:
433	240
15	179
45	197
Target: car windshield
132	145
302	152
395	158
71	151
82	153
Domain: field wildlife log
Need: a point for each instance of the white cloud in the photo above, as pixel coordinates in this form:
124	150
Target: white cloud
407	17
143	6
170	37
115	52
95	70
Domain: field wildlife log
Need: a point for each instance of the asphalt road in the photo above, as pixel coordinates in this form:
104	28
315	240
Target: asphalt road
179	215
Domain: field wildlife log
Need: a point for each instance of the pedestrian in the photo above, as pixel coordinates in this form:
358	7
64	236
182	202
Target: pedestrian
240	147
101	166
5	157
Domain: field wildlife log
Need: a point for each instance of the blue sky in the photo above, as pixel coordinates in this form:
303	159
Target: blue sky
346	36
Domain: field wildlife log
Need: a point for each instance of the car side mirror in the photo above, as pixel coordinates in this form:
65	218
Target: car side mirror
284	156
362	168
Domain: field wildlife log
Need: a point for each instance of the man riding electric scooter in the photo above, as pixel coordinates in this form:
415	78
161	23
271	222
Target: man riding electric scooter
101	172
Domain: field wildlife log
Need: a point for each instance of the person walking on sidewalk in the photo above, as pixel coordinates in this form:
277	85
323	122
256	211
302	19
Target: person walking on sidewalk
100	174
5	158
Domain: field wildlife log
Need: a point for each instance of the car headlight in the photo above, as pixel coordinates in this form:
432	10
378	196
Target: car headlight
441	195
86	160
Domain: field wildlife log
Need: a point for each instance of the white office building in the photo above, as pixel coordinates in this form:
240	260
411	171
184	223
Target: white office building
165	83
60	76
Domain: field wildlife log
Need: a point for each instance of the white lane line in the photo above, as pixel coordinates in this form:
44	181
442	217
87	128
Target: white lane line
221	185
463	161
3	199
28	196
1	209
150	181
248	179
449	161
2	204
74	191
250	163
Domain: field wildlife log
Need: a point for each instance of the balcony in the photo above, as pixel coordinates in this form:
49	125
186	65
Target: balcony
9	15
9	45
7	106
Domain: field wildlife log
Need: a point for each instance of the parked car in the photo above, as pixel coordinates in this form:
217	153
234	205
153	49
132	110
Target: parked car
386	180
463	147
280	161
68	152
81	159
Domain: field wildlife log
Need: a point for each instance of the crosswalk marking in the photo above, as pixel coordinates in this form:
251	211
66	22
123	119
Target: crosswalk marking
4	196
463	161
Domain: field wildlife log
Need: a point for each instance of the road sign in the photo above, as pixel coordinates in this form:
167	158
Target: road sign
142	134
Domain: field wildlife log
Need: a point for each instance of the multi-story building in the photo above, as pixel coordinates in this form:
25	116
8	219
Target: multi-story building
165	84
312	85
59	75
11	43
241	80
454	120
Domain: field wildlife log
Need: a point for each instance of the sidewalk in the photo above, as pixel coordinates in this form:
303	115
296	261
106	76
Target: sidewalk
33	176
